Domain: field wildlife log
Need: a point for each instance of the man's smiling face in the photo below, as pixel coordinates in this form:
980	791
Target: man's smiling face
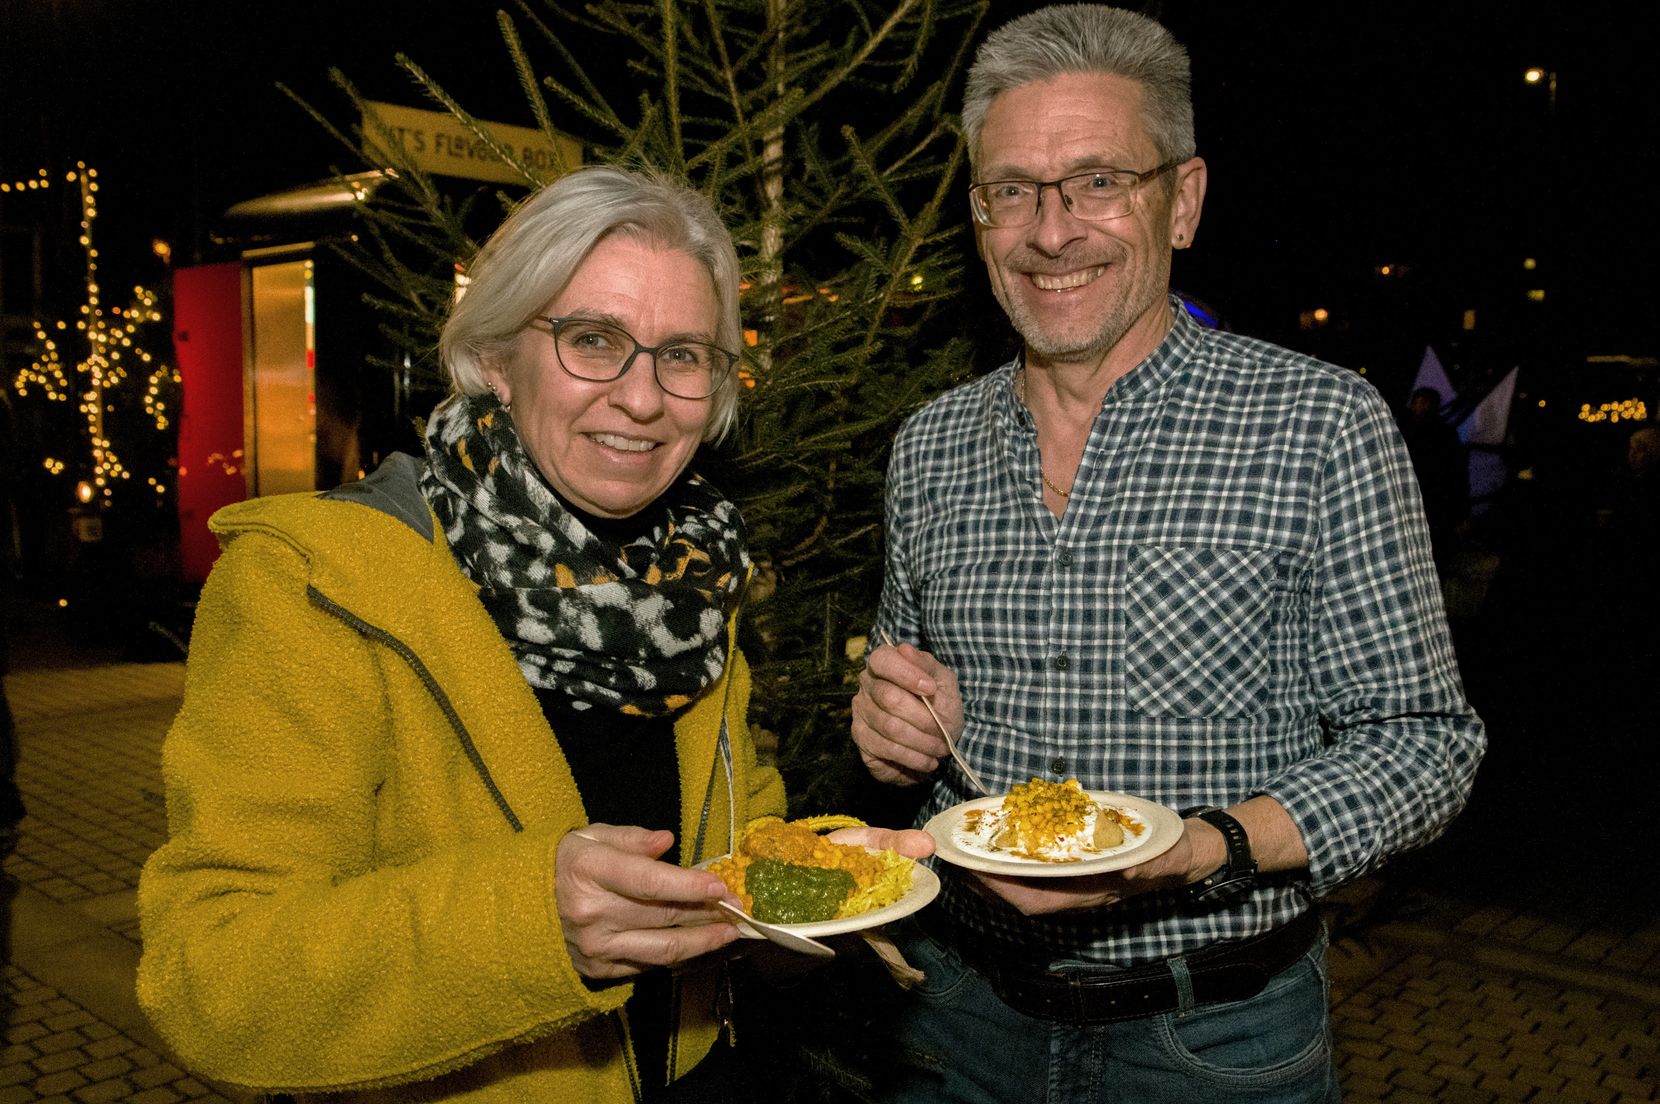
1074	289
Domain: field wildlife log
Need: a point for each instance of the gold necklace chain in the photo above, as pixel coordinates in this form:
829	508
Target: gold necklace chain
1020	382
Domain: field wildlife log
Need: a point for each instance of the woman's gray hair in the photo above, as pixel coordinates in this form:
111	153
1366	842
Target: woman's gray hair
532	256
1087	38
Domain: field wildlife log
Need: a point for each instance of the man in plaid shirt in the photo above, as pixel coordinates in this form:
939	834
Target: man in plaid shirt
1166	561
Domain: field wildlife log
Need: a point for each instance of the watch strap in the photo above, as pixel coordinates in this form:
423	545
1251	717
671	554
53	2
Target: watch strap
1239	868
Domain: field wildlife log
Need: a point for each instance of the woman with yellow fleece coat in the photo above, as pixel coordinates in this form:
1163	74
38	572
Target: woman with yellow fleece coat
454	736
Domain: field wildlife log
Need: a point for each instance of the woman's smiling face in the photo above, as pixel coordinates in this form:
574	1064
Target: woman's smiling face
611	448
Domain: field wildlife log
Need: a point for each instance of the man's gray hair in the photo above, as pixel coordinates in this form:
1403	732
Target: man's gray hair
1087	38
532	256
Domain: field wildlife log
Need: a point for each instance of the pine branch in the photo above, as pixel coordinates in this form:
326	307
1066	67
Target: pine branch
532	88
671	79
482	133
875	180
723	63
590	97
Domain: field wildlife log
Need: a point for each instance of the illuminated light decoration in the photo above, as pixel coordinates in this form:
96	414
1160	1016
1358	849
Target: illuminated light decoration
1627	410
1530	263
1313	319
111	346
1536	295
35	183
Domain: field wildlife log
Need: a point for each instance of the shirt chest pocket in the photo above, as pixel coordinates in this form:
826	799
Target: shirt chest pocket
1198	624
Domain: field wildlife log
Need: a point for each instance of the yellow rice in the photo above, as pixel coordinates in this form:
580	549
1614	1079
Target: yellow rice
879	878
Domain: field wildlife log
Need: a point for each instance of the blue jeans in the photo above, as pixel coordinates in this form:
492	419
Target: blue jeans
954	1040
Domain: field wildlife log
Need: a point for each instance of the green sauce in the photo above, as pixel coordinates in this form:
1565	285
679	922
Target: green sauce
789	894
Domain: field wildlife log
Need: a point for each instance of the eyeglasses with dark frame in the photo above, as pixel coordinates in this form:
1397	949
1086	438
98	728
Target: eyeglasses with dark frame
600	352
1098	196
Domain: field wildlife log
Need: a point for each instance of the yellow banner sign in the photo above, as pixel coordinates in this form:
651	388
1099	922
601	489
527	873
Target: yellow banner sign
438	143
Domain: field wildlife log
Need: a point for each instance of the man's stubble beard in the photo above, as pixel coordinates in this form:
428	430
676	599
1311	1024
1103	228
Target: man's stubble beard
1120	315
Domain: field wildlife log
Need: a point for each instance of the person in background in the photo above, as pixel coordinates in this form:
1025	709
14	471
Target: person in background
1642	461
1618	603
1442	469
454	735
1167	561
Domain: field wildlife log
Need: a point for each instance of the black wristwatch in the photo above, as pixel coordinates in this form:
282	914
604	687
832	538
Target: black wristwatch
1238	873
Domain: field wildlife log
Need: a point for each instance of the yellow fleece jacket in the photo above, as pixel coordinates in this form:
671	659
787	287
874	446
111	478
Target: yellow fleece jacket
364	801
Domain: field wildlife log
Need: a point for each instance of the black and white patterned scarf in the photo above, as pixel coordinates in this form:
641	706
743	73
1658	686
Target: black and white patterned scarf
640	629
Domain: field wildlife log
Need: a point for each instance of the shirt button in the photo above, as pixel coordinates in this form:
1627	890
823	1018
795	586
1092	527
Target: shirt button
1062	662
1059	765
1064	557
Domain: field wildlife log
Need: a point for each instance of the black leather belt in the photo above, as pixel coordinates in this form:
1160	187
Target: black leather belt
1231	971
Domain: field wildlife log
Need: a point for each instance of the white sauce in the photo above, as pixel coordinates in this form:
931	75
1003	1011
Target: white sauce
979	827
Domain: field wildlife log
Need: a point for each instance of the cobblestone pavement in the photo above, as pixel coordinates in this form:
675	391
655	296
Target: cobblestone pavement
90	770
57	1050
89	767
1447	986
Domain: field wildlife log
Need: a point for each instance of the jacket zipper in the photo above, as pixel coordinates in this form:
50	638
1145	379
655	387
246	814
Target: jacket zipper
626	1042
376	633
722	758
404	651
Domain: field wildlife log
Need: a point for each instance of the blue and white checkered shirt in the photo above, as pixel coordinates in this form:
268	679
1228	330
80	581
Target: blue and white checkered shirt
1239	600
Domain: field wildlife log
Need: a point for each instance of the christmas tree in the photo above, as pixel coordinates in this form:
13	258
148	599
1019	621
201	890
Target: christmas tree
822	133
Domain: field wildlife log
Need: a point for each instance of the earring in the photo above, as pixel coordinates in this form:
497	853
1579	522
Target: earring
1180	238
507	406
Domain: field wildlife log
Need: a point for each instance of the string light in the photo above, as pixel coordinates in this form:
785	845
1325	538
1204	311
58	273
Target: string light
1627	410
111	337
32	184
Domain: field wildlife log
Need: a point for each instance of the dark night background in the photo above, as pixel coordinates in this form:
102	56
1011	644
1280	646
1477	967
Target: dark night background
1340	138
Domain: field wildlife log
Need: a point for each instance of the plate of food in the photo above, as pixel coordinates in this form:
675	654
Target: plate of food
788	874
1045	829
